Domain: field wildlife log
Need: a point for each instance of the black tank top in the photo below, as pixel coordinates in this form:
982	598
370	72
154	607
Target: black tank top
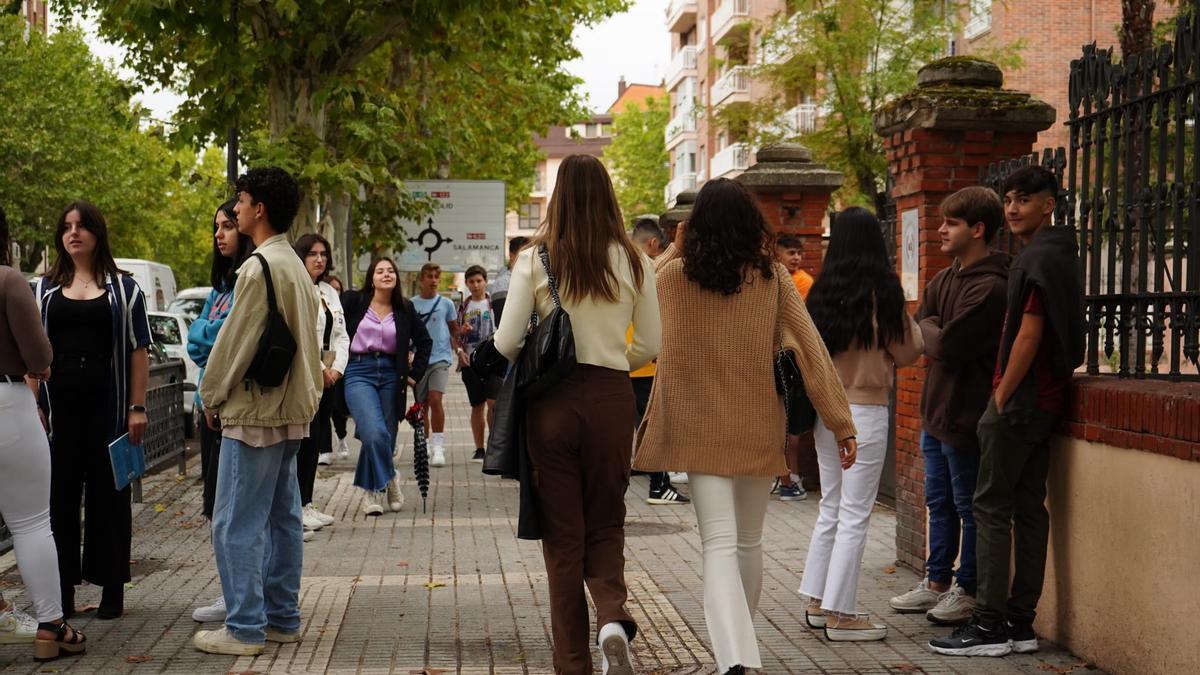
80	327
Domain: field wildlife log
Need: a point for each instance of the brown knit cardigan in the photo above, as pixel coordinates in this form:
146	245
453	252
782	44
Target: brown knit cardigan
714	409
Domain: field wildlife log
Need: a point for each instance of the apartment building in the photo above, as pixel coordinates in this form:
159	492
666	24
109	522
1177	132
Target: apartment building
35	13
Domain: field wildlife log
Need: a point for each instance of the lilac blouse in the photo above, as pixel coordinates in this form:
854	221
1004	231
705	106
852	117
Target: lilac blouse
375	334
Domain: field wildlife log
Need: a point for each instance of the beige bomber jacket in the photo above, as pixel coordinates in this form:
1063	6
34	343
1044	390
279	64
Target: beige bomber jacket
241	402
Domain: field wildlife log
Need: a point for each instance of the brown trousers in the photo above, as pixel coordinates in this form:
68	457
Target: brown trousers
580	436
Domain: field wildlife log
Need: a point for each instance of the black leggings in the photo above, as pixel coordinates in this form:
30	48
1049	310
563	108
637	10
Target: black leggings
340	412
319	440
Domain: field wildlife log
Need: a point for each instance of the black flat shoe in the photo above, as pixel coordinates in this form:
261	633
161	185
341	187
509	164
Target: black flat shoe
112	602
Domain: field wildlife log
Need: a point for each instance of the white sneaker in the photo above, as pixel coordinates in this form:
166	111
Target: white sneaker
308	535
309	518
437	457
325	458
955	607
678	477
17	627
342	449
325	518
920	599
220	641
614	650
214	612
371	504
395	497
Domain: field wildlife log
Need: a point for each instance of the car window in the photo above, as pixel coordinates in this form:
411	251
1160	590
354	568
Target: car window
189	307
165	330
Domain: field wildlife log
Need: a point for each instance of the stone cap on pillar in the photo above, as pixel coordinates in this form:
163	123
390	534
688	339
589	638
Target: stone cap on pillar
963	93
789	167
680	211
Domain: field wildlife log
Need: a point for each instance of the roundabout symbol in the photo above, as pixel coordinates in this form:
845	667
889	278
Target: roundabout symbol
429	231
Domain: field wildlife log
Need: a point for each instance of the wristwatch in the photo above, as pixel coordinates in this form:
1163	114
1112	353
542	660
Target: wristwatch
137	408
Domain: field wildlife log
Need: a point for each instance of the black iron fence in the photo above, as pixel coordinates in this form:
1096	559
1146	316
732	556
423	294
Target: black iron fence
164	440
1130	186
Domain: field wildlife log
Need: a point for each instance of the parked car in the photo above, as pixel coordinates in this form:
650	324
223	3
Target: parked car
190	301
156	279
170	331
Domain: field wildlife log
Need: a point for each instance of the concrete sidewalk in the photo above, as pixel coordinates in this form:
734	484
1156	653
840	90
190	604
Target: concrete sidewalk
452	590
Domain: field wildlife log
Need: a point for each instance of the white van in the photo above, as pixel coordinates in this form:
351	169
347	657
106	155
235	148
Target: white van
156	279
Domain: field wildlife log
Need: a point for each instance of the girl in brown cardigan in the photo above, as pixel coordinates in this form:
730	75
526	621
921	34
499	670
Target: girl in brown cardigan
714	411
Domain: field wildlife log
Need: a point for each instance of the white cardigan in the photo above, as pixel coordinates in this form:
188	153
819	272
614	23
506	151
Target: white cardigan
339	339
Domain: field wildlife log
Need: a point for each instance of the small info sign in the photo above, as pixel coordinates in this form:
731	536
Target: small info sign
910	260
466	227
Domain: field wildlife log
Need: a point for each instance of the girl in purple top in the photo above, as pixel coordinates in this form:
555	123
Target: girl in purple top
383	328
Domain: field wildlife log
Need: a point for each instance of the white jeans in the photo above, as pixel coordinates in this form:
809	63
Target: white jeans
25	498
730	512
847	497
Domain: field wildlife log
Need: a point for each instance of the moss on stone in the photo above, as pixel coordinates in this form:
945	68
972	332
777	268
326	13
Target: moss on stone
965	97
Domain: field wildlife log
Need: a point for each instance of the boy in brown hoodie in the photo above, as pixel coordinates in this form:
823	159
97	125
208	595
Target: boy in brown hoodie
960	319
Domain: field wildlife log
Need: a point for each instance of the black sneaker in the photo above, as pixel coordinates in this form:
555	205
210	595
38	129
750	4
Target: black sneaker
478	457
1021	637
974	639
666	495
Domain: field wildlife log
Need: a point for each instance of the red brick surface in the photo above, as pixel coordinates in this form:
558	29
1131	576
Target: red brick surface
1148	415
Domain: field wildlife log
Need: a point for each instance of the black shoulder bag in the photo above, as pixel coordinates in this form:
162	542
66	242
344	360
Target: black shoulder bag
549	352
276	347
789	383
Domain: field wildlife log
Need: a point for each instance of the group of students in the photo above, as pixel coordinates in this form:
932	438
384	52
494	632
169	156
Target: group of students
1000	360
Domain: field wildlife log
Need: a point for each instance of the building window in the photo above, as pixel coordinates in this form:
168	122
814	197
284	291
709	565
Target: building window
980	19
529	216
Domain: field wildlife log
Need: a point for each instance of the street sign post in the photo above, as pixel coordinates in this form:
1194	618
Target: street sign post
466	228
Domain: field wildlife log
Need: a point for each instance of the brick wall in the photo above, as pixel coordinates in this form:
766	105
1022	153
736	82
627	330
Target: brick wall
1149	415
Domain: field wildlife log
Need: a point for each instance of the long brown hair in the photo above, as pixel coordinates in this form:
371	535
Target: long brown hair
583	221
103	265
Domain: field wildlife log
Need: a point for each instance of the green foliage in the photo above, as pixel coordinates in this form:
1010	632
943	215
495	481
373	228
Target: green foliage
638	158
68	132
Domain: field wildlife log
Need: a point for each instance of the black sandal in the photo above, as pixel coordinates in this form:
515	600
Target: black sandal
48	650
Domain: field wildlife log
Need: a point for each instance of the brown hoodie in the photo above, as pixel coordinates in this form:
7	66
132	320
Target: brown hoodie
961	317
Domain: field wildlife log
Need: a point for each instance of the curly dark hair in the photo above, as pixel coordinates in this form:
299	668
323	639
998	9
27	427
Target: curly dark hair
277	190
855	279
726	237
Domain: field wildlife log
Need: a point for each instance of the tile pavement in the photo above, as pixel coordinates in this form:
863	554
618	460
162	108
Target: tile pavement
452	590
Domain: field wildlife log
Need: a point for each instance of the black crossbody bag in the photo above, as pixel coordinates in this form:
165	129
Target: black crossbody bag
789	383
549	352
276	347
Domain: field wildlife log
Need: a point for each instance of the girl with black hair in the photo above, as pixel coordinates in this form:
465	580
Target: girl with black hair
95	316
858	306
720	275
230	250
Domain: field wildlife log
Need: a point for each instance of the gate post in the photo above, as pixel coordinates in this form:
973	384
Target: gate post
793	192
938	138
677	214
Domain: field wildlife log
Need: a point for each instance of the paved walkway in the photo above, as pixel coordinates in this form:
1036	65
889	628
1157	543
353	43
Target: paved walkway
451	590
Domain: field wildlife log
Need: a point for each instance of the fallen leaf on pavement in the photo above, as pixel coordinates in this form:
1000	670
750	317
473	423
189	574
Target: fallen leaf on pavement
1062	670
890	569
138	658
159	508
434	584
427	671
179	513
905	668
87	608
402	563
179	477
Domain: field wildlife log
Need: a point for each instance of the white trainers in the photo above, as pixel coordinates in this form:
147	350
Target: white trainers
17	627
955	607
325	458
614	650
678	477
309	518
324	518
213	612
220	641
920	599
371	504
395	497
437	457
308	536
342	449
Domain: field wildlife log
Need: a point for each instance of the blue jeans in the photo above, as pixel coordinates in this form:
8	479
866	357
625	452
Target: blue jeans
371	398
258	538
950	477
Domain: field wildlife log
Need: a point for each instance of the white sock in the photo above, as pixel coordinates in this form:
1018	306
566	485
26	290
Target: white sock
795	478
438	439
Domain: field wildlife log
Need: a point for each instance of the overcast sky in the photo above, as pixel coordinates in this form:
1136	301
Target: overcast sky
633	44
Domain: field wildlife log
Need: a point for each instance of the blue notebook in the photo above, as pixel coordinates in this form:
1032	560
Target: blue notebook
128	461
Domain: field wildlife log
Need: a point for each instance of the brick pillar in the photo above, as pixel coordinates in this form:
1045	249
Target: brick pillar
938	138
678	213
794	194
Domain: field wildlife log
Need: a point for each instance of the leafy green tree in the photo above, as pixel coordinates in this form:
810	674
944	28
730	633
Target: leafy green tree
638	158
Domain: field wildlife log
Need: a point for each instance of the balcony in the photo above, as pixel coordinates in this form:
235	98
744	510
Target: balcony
731	87
682	124
729	14
800	120
683	64
778	47
681	183
735	158
681	15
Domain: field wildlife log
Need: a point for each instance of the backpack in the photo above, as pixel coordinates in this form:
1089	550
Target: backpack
276	347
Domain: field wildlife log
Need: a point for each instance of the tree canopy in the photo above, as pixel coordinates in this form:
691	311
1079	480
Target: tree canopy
638	158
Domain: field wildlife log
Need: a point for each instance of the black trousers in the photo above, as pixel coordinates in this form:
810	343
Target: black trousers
340	412
80	468
210	455
319	440
641	399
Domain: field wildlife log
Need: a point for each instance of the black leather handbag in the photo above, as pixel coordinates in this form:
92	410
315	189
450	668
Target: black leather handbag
276	348
789	382
549	352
